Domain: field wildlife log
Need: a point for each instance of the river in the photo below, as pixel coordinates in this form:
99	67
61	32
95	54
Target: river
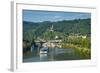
54	54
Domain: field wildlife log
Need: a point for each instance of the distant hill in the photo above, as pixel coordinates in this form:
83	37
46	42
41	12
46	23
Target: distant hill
66	27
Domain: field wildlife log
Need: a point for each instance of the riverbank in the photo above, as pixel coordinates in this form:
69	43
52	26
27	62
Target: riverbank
84	53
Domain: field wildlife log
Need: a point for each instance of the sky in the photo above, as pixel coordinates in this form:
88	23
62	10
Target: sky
40	16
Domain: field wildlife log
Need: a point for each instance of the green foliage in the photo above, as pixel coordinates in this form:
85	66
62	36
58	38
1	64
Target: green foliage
62	29
86	43
48	35
82	42
80	26
29	36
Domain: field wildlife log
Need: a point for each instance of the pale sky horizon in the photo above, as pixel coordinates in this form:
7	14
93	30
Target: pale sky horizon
40	16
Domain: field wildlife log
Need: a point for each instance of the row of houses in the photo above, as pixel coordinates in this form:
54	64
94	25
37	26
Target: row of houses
52	43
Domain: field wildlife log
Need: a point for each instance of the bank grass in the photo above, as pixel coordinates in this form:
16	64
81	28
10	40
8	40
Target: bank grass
83	52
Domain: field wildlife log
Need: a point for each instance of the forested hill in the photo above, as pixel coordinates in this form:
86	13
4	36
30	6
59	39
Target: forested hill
67	27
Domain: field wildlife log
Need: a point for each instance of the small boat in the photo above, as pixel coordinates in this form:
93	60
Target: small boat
44	50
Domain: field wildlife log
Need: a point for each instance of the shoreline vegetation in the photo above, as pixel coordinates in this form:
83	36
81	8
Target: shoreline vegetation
83	52
82	45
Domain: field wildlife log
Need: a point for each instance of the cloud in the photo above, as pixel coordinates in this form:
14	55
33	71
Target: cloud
83	15
57	17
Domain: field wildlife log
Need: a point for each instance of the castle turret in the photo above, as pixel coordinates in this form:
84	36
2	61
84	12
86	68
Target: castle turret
51	28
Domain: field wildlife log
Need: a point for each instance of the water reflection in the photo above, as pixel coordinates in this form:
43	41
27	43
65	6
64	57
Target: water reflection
54	54
43	57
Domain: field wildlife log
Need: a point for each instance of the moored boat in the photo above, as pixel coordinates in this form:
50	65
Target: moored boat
44	50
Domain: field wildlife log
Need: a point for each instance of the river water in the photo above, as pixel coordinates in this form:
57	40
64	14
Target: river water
54	54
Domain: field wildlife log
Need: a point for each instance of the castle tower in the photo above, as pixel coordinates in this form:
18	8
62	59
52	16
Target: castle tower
51	28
